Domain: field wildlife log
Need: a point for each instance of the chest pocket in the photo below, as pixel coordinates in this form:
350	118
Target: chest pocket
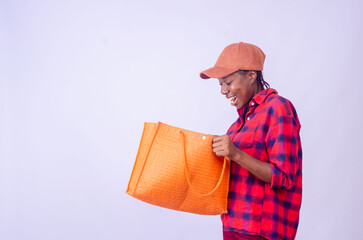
245	138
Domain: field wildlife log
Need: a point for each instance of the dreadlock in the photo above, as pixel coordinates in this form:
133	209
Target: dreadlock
260	81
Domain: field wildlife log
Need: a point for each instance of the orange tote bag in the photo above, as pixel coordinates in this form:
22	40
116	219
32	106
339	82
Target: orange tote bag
177	169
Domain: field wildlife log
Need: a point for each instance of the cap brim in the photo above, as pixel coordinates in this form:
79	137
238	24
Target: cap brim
217	72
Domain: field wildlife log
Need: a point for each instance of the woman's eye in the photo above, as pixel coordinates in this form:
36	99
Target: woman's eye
228	83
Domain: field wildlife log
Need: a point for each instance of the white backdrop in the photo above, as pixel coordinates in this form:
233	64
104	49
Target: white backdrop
79	78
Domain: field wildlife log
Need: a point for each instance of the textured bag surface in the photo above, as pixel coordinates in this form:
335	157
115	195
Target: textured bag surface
177	169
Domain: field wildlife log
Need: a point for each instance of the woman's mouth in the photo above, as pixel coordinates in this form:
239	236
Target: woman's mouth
233	100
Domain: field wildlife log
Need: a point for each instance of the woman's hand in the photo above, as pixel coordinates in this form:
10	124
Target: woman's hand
224	147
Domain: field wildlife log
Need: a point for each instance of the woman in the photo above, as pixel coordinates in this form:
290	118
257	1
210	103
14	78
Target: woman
264	147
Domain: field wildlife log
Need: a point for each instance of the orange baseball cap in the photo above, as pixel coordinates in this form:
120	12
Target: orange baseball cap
234	57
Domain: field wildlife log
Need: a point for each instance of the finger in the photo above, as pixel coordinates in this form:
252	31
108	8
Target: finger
219	149
218	138
217	144
224	141
218	153
221	153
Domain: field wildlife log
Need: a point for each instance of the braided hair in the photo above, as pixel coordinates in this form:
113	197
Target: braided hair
259	78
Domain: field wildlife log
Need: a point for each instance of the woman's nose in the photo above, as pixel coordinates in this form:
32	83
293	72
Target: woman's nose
224	89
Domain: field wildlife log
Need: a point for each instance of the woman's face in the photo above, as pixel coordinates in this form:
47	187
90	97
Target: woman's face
239	87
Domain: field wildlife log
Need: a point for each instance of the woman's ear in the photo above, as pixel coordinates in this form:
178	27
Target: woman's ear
252	75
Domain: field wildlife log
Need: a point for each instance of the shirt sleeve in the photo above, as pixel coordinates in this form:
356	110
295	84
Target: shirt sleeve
283	152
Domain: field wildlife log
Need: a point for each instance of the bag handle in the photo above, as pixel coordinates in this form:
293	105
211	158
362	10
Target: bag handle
147	154
187	174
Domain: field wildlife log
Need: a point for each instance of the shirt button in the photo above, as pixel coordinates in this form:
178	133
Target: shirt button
248	118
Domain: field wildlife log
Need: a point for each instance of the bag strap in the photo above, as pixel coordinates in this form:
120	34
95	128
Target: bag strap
187	174
147	154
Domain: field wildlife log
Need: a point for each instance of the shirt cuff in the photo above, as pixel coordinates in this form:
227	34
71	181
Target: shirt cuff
279	179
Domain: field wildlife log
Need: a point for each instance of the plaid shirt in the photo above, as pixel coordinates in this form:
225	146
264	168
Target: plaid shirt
269	131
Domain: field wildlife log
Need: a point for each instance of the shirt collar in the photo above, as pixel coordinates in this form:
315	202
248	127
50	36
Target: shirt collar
259	98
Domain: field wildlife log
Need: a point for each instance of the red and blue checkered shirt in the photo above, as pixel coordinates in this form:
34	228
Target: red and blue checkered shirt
269	131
